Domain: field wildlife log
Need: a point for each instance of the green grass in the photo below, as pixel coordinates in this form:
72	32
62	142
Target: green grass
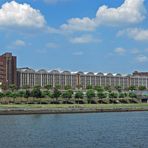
93	106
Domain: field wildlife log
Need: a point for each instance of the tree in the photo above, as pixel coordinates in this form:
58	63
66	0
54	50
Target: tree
122	95
113	95
36	93
21	93
56	93
27	94
90	94
132	95
102	95
48	87
67	94
108	88
141	88
118	88
1	95
58	86
99	88
79	95
89	87
12	87
132	88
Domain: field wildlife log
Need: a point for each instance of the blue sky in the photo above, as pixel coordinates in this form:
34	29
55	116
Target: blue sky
87	35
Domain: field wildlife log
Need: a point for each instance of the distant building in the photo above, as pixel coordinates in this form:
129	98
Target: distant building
8	69
30	77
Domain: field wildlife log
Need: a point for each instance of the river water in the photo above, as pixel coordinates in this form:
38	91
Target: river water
91	130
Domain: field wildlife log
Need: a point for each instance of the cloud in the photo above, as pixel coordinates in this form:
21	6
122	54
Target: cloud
137	34
19	43
130	12
142	58
77	24
13	14
84	39
120	51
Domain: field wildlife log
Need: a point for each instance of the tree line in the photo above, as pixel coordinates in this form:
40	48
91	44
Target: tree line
56	95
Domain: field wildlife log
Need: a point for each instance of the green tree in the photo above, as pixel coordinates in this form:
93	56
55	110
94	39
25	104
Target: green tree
113	95
118	88
67	94
21	93
36	93
58	86
12	87
89	87
99	88
79	95
48	87
56	93
132	95
108	88
132	88
141	88
122	95
101	95
90	94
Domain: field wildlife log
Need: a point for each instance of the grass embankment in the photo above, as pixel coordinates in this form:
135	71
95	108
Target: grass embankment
66	106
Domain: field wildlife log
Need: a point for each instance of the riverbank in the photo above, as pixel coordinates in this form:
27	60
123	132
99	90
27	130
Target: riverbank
14	109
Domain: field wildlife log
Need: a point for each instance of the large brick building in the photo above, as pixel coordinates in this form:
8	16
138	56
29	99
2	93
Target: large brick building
8	69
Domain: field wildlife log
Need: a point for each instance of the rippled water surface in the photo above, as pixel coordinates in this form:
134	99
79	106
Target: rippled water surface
94	130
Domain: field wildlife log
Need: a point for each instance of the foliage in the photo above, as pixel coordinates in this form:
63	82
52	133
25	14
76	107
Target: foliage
2	95
142	88
99	88
27	94
48	87
90	93
118	88
132	95
79	95
12	87
132	88
89	87
56	93
113	95
36	93
108	88
101	95
67	94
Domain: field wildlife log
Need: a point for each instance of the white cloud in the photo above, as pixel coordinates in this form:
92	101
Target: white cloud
84	39
142	58
19	43
137	34
120	51
13	14
130	12
85	24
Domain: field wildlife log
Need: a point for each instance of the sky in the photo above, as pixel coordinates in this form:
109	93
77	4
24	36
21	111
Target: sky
76	35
